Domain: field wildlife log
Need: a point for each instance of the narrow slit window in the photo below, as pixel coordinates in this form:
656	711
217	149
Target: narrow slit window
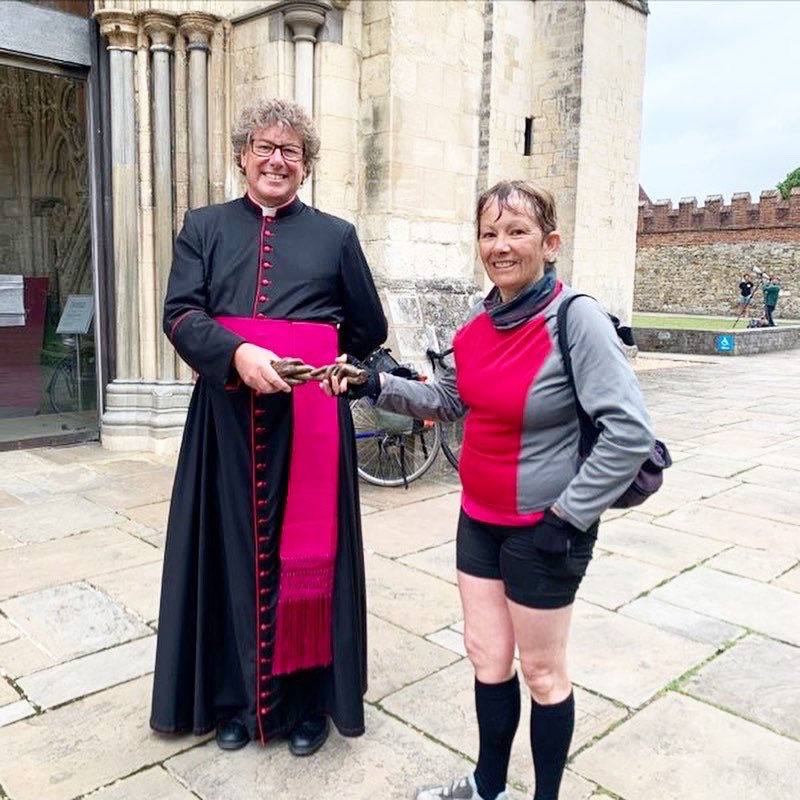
528	135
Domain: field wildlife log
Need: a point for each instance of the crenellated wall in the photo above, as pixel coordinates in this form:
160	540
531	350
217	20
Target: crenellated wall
690	259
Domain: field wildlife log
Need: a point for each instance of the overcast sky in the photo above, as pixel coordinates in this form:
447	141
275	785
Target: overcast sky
721	97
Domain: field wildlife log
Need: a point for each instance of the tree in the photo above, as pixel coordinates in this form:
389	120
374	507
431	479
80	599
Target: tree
792	180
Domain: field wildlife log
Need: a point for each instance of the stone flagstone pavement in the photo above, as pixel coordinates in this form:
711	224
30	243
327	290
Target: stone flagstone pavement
685	651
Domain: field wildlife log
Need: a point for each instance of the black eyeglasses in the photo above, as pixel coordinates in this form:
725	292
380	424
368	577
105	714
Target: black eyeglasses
264	149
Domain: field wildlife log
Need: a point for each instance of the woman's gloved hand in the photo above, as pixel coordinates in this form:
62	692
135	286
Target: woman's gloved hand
554	534
349	377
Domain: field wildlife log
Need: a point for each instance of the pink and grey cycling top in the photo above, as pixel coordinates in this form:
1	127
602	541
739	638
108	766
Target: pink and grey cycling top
521	432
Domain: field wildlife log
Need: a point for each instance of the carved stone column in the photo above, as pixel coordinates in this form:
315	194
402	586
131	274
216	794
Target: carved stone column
305	18
121	30
20	124
161	28
198	28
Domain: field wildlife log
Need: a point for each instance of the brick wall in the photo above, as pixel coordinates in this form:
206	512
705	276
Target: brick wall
690	259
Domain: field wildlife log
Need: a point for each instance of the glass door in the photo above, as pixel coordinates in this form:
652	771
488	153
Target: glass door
48	374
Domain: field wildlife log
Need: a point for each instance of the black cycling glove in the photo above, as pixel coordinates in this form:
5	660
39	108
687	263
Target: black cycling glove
553	534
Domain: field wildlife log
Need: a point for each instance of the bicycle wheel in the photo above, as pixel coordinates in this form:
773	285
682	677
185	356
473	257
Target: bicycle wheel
452	440
392	449
62	391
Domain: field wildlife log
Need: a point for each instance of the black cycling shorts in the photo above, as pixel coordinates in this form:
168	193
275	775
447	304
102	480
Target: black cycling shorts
532	577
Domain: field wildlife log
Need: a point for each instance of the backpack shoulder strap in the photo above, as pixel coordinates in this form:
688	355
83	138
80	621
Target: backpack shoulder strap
588	430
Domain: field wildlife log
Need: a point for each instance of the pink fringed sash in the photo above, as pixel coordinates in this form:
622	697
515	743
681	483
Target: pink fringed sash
309	533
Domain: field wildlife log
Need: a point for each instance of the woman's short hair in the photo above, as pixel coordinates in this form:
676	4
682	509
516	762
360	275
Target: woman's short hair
276	111
520	196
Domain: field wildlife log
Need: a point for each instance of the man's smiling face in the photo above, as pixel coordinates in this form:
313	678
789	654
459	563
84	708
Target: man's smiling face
273	181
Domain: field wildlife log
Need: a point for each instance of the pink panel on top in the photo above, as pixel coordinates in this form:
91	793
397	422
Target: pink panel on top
495	372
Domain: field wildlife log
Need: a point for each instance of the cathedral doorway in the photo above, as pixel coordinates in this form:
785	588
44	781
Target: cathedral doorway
48	298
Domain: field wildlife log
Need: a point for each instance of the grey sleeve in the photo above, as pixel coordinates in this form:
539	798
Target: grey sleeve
609	393
427	400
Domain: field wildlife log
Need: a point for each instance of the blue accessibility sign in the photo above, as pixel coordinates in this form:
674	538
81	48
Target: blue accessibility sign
725	343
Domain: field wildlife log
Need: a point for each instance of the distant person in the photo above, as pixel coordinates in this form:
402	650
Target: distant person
772	288
746	291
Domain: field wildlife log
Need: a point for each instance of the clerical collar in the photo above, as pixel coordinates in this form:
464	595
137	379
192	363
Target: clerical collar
278	211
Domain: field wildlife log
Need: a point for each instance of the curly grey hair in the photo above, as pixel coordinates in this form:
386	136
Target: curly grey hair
276	111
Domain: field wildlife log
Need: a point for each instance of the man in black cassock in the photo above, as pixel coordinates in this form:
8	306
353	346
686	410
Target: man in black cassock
262	627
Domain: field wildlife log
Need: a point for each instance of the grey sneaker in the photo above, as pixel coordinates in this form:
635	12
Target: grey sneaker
462	789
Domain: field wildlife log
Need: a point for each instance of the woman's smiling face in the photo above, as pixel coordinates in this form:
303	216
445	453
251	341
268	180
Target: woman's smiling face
513	247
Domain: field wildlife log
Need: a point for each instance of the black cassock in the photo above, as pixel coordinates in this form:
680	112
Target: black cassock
301	265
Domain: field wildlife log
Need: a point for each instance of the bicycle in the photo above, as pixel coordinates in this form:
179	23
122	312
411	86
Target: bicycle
395	449
72	385
452	433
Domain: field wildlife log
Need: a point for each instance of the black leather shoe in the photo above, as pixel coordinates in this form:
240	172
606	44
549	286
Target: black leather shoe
232	735
309	736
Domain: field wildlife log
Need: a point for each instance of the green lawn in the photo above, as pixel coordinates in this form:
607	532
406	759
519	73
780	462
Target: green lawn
675	321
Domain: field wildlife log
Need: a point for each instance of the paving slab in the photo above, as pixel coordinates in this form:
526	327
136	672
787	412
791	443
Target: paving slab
443	705
397	658
410	599
151	784
734	527
387	762
157	538
54	519
153	515
760	565
782	458
693	486
438	561
72	620
412	527
667	499
678	747
8	694
140	489
790	580
382	497
613	580
71	478
716	465
92	452
670	549
138	589
8	630
450	639
17	486
682	621
758	679
624	659
89	674
8	500
14	712
132	465
761	502
35	566
22	656
768	609
767	475
18	462
82	746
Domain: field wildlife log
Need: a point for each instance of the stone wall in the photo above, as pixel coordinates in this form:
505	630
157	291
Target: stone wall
690	259
419	105
739	342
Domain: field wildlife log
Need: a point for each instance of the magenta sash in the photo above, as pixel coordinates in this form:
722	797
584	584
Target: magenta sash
309	532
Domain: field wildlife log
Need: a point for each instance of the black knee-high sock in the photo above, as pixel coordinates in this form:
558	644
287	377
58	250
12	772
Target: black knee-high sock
498	709
551	734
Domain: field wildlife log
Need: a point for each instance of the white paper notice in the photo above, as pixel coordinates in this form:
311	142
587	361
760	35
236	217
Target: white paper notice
12	301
